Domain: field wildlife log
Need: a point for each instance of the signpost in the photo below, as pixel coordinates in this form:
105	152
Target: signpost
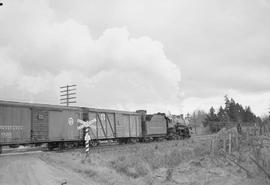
87	125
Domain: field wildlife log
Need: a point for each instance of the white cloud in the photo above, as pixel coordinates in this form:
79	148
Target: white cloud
8	70
123	53
114	70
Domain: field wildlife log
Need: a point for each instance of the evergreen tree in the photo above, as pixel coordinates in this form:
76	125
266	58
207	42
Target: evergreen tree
222	115
232	112
249	116
211	116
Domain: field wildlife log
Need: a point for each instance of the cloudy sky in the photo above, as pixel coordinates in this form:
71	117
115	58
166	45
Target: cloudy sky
159	55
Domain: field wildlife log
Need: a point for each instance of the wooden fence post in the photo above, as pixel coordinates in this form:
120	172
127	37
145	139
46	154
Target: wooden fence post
213	145
237	141
217	143
230	143
253	134
224	142
248	135
211	148
233	141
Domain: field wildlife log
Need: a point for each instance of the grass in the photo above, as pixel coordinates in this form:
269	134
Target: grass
131	166
145	160
88	172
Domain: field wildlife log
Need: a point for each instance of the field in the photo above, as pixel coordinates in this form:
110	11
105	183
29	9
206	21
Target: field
183	162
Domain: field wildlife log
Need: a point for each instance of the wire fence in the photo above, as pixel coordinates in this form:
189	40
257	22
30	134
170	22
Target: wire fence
251	141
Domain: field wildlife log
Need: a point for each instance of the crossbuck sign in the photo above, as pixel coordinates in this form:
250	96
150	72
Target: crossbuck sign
87	125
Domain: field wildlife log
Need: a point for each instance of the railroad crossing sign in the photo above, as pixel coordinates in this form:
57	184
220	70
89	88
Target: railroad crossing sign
87	137
87	125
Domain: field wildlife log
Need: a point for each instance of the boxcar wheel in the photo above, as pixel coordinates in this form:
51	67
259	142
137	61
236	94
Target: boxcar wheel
14	146
51	146
133	140
93	143
38	144
61	146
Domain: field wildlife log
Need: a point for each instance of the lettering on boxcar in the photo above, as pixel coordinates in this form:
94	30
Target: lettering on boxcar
70	121
6	130
40	116
7	135
11	127
102	116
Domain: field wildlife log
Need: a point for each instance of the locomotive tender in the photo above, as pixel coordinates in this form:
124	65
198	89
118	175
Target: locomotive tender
31	123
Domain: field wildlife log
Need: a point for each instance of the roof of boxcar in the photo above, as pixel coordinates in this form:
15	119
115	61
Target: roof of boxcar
60	107
35	105
109	111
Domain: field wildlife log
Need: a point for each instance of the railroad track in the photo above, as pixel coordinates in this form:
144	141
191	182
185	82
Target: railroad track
100	148
21	151
33	150
208	136
108	146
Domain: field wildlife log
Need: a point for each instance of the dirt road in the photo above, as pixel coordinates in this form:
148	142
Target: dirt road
30	169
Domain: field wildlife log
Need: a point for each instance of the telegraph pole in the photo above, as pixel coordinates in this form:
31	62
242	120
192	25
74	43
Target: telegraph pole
67	94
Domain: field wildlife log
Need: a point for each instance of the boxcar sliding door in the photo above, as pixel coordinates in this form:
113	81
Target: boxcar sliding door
104	127
63	125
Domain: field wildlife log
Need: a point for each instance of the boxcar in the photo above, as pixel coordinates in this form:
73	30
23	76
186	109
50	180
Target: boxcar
15	124
113	124
23	123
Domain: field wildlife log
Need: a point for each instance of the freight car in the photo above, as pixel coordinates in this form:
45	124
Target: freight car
121	126
28	123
